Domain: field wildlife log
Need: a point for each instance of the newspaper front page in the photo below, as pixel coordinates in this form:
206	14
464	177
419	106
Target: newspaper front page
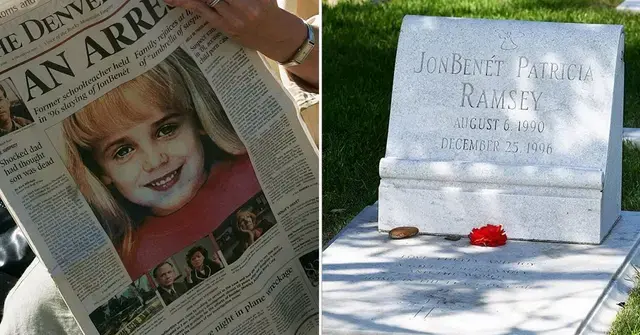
158	169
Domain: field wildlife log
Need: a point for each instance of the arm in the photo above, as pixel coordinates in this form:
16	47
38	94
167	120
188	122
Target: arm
263	26
187	270
294	34
248	234
251	238
21	121
246	231
216	261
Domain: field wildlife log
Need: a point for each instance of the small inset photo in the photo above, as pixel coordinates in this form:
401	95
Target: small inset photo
199	261
128	310
169	280
243	228
311	265
13	112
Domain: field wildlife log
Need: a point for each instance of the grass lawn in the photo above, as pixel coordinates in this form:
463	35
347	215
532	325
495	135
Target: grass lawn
628	321
359	46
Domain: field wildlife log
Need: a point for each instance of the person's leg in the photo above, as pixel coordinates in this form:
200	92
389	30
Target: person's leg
35	306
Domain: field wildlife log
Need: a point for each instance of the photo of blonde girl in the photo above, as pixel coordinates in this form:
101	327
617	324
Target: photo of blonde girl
158	162
244	227
247	224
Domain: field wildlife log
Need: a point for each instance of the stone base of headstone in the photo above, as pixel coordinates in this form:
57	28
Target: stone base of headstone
562	204
632	5
432	285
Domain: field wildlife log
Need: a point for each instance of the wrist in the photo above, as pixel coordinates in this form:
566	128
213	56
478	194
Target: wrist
287	37
305	49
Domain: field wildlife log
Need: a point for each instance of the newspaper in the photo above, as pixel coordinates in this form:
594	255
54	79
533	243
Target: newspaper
159	170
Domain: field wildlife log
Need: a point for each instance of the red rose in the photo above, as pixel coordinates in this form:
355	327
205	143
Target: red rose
488	236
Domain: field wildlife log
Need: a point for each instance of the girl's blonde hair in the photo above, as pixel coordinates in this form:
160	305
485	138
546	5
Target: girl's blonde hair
175	84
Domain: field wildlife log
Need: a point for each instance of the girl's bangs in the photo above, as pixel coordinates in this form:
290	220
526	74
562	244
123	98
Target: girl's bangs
114	111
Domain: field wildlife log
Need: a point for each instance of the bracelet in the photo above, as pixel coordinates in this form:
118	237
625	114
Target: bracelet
304	50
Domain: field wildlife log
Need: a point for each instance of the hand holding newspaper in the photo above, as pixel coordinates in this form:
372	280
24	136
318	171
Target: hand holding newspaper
159	170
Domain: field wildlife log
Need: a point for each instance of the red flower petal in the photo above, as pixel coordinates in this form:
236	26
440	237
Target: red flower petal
488	236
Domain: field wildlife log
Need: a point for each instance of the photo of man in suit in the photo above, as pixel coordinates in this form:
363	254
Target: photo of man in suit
169	290
9	121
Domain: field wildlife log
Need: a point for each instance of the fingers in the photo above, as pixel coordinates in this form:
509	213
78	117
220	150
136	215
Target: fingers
252	23
230	16
200	7
250	7
250	11
207	12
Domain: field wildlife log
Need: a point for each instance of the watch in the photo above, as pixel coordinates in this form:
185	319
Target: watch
304	50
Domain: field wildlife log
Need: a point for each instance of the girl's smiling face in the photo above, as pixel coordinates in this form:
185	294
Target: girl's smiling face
157	163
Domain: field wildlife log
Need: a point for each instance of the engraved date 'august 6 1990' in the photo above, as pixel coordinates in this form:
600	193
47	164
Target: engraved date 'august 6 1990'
492	125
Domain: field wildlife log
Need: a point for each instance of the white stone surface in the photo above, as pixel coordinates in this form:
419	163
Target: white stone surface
557	181
632	5
429	285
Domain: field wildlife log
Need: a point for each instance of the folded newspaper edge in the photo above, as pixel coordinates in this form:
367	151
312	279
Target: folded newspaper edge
160	171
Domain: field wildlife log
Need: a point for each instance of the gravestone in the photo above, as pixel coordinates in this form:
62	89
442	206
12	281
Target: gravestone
505	122
430	285
630	5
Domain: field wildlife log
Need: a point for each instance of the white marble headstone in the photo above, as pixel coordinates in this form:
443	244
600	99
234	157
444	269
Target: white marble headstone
505	122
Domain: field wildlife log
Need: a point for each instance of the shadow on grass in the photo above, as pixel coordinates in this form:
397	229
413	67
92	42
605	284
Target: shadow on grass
359	70
632	75
631	178
628	320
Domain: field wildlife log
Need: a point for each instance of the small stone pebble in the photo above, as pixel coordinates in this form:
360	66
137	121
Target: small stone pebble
452	237
402	232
